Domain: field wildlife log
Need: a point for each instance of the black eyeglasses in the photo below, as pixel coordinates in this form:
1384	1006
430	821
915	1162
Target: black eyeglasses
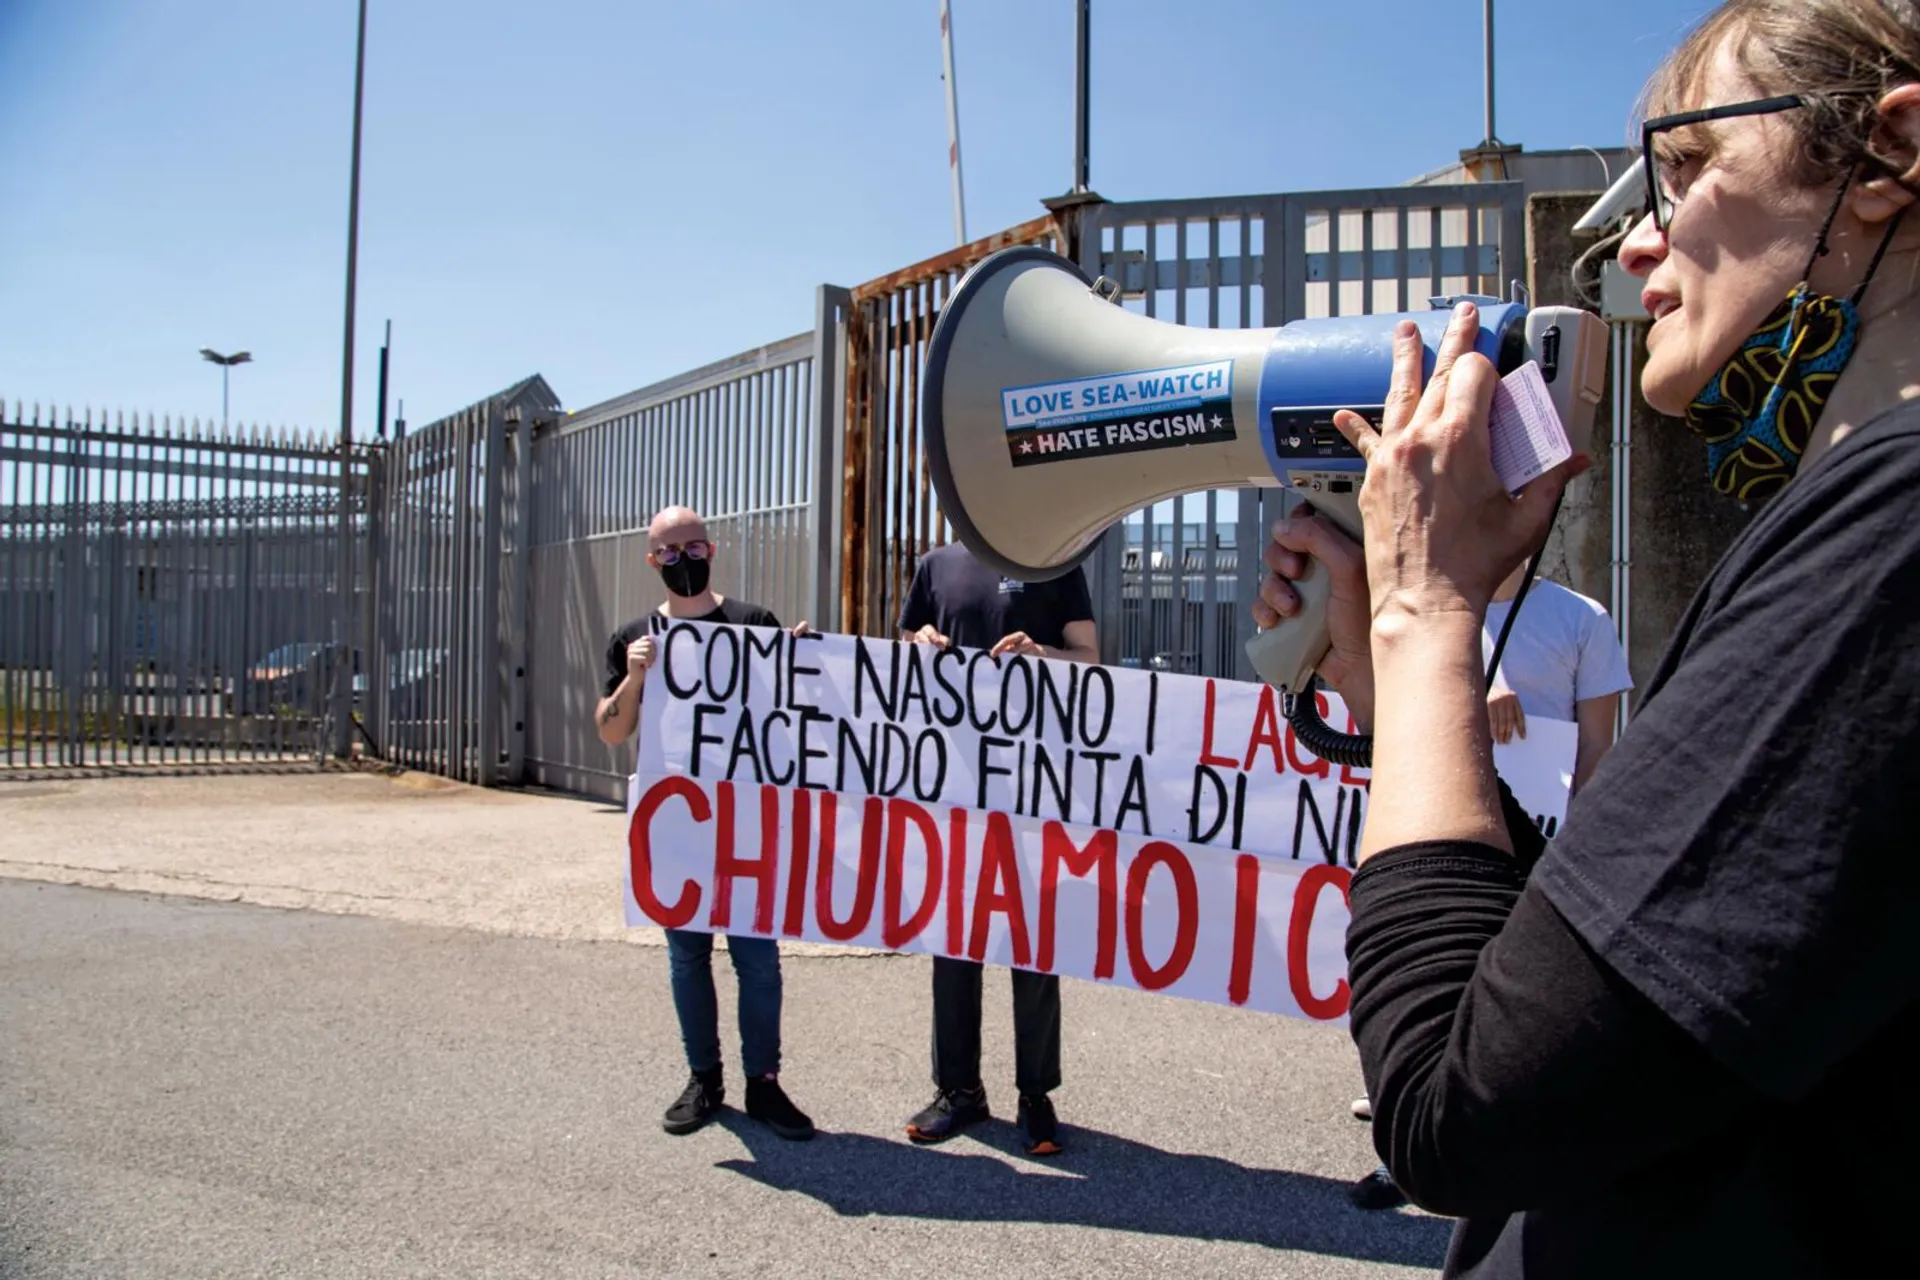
670	553
1661	197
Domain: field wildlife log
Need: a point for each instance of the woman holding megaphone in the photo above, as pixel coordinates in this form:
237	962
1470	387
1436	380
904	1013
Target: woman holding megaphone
1645	1050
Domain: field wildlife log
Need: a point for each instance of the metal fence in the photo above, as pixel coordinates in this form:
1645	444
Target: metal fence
447	635
168	592
174	594
736	441
1169	584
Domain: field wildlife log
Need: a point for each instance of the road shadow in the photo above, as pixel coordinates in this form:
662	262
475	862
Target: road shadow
1106	1181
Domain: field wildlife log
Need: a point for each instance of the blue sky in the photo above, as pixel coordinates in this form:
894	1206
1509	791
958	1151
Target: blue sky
609	193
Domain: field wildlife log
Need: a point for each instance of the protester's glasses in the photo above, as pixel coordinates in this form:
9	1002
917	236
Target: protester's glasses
698	549
1664	189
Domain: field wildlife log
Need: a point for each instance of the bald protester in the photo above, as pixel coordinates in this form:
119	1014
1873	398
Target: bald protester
683	554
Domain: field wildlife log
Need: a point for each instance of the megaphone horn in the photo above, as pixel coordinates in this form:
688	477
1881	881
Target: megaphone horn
1051	413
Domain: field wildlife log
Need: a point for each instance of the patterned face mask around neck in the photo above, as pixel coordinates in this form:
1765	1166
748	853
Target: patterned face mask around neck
1758	413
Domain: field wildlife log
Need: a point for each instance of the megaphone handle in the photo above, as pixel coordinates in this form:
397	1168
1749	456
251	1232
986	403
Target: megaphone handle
1285	656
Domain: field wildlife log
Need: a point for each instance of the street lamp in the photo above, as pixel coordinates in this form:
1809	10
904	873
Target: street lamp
226	364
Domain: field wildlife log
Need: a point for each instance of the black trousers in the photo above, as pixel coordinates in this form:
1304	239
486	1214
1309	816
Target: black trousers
956	1027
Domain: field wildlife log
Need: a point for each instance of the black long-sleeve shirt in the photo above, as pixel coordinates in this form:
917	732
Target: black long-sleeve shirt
1678	1045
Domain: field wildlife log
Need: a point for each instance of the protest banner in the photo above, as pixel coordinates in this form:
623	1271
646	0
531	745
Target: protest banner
1158	831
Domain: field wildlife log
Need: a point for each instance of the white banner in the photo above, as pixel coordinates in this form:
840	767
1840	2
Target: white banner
1157	831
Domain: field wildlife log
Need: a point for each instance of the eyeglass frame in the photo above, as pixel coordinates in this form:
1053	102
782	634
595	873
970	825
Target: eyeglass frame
1681	119
671	552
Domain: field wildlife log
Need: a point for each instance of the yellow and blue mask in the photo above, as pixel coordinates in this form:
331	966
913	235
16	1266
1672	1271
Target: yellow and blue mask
1758	414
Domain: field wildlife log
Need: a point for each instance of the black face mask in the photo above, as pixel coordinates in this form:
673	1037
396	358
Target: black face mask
686	577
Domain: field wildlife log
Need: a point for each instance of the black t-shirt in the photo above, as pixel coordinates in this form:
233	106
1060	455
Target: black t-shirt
1676	1049
738	612
976	608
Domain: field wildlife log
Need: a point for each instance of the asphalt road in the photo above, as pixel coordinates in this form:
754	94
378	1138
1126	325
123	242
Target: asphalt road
195	1089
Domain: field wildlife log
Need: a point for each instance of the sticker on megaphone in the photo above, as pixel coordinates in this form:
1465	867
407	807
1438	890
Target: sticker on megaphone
1528	439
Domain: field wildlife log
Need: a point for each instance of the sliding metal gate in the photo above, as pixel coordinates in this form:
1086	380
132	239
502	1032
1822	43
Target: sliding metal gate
170	594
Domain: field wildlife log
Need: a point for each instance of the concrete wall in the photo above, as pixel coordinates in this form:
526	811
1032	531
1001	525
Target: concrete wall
1680	526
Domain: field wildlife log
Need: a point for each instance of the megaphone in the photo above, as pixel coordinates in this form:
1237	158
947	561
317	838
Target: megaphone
1051	413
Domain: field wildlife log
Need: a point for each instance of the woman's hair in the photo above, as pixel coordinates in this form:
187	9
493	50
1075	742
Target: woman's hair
1842	56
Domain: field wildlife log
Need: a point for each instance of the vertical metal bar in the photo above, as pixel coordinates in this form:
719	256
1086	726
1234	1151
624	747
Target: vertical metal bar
193	549
1336	276
520	604
1476	279
1177	594
446	460
913	525
492	617
13	617
342	630
35	652
1213	273
1153	269
430	581
1366	262
1180	271
1404	259
1246	271
147	587
1082	93
1211	663
401	676
825	403
1513	240
1435	237
16	444
448	515
167	534
1487	24
40	496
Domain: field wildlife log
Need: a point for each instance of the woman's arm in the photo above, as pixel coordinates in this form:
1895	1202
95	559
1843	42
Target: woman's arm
1509	1067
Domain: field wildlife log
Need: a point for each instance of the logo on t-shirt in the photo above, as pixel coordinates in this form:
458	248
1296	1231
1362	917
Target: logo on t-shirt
1008	585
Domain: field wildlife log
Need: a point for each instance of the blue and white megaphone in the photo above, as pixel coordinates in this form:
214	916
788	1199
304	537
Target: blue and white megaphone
1051	413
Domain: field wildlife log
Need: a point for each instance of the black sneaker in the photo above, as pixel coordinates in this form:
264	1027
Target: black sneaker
1039	1126
697	1103
768	1103
1377	1191
950	1111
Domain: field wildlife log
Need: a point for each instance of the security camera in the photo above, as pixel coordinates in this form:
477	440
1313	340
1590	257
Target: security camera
1623	198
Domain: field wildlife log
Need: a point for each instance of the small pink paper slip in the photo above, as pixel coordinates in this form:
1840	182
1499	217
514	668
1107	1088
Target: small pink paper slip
1528	440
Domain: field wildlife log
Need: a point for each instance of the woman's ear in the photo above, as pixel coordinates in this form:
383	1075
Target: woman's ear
1895	182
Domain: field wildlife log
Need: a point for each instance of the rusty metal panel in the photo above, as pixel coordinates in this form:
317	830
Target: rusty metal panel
890	514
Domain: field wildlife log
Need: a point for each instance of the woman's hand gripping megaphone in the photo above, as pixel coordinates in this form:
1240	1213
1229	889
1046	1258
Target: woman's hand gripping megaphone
1298	541
1448	532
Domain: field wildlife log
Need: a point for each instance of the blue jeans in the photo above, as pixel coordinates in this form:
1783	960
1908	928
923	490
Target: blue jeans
756	964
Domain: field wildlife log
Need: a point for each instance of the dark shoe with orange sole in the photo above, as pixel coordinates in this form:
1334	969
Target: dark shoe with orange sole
1039	1126
950	1111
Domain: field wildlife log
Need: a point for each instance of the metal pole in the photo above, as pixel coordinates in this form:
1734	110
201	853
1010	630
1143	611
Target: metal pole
1491	135
1082	74
953	124
343	588
224	371
380	427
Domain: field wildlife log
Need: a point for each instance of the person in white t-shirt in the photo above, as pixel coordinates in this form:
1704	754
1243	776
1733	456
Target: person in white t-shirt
1562	662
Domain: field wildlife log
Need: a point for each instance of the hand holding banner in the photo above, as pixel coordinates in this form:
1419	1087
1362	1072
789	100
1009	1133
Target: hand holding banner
1163	832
